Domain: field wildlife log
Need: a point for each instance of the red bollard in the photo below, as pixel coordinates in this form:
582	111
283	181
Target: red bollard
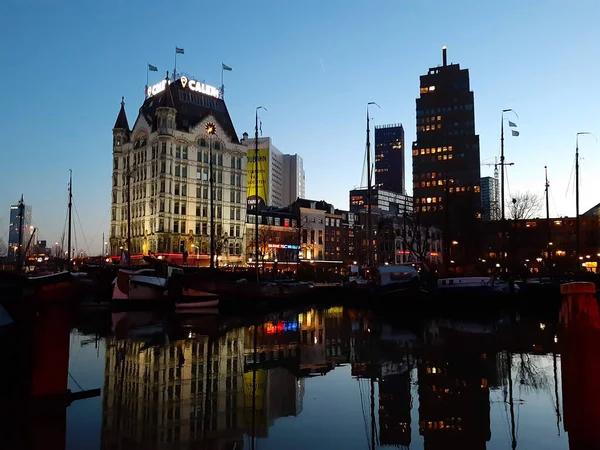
579	341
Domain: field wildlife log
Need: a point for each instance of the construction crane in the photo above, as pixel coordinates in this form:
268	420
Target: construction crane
496	201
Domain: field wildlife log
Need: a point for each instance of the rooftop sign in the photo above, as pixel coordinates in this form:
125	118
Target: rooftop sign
186	83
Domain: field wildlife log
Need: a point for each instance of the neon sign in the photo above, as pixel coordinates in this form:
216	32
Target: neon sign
280	327
197	86
285	246
186	83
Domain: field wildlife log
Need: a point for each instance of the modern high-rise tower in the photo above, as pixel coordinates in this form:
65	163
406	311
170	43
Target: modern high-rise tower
389	158
446	171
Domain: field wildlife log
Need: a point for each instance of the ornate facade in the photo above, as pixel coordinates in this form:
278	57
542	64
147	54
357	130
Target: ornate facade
162	163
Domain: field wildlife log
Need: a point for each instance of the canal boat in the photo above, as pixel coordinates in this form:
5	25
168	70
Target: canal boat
387	281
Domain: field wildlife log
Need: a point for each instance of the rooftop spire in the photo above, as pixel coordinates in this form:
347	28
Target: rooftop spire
167	98
444	56
121	122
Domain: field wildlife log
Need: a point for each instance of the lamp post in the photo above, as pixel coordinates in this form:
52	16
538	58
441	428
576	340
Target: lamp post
502	164
210	131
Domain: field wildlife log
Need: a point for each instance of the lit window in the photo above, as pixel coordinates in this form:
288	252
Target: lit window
431	88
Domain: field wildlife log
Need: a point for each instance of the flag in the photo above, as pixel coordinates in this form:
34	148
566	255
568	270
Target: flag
514	132
226	67
152	68
511	124
179	50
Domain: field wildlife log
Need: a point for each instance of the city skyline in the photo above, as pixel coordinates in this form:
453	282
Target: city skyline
529	69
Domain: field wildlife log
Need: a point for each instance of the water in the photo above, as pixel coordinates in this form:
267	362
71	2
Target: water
320	379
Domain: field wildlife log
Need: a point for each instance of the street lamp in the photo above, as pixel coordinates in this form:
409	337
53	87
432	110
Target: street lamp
210	131
256	190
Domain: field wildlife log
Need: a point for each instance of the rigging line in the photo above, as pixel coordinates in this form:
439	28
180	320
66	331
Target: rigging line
82	232
554	202
99	228
570	178
75	381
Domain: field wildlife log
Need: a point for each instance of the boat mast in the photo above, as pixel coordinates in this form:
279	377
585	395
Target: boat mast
70	207
511	402
369	183
549	258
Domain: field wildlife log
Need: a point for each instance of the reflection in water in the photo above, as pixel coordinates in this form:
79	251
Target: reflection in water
212	383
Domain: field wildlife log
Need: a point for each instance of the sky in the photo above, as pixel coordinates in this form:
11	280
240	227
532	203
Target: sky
313	64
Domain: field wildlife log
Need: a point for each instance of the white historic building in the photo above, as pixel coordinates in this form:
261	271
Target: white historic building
163	162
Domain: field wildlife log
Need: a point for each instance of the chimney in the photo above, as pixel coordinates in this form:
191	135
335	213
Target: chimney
244	136
444	56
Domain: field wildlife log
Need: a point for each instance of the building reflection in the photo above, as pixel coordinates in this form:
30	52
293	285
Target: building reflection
199	389
219	391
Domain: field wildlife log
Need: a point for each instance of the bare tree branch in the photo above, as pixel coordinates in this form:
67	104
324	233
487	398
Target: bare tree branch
525	205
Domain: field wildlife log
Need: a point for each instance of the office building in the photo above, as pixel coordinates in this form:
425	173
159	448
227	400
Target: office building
13	230
280	176
490	199
446	171
384	201
270	173
389	158
294	182
162	162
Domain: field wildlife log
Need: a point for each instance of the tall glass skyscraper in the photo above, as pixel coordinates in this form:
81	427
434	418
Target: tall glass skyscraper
389	158
446	172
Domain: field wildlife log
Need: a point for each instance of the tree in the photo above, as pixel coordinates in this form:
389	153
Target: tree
220	245
525	205
414	237
266	236
306	238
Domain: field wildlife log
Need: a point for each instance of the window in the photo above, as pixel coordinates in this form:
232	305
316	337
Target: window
197	210
204	228
198	173
184	153
183	209
198	191
320	237
232	196
176	208
184	189
202	142
218	147
177	170
219	157
176	188
175	226
197	231
219	212
239	163
184	171
178	151
238	214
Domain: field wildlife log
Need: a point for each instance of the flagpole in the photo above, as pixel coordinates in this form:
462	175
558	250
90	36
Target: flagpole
222	84
147	70
175	69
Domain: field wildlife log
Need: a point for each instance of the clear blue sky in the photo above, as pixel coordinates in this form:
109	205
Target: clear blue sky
313	64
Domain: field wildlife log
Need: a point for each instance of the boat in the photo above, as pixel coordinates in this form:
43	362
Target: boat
142	284
475	286
386	281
